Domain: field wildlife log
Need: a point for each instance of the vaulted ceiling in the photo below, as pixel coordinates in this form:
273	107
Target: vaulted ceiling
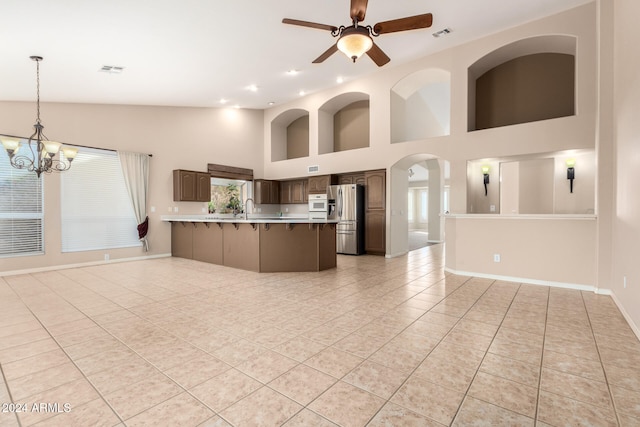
199	52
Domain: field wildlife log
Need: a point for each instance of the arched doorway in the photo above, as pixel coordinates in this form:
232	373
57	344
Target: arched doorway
417	201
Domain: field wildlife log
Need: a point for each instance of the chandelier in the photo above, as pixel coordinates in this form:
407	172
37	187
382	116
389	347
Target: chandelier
42	152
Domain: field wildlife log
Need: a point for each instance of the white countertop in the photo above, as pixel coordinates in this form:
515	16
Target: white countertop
253	219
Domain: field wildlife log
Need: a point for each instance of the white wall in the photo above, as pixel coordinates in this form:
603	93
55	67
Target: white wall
626	232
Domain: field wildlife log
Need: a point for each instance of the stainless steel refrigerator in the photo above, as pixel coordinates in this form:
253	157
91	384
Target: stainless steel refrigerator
348	200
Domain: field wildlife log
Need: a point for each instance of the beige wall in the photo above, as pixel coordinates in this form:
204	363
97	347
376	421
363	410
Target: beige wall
178	138
575	132
551	250
626	235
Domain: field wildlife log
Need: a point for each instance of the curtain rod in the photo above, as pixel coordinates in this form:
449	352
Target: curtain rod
73	145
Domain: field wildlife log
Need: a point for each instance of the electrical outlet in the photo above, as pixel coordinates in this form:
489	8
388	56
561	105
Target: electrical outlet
169	209
496	257
106	257
153	209
175	209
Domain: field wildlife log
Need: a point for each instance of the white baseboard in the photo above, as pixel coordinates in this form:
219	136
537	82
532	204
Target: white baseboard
575	286
82	264
396	254
628	318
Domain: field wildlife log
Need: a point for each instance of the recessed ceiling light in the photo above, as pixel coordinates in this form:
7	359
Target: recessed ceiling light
292	72
271	103
111	69
340	79
236	106
223	101
252	88
442	33
301	93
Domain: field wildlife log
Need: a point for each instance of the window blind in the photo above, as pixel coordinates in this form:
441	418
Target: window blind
95	209
21	216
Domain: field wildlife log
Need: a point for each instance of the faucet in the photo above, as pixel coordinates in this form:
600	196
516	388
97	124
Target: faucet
246	207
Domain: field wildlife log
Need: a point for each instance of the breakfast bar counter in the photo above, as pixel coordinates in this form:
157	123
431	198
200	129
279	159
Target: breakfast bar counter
259	244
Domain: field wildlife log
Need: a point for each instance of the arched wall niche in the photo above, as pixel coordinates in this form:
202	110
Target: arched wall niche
421	106
343	123
290	135
528	80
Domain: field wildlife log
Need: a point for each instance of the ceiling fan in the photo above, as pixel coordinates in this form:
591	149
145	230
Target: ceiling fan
355	40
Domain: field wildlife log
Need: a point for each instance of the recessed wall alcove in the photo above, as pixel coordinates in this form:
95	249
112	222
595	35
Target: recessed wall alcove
525	81
421	106
343	123
290	135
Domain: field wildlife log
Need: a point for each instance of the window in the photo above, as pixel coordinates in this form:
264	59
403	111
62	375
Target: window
410	206
95	208
21	216
424	205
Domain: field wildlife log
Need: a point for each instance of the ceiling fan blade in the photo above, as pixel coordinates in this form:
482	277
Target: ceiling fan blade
327	53
358	9
309	24
404	24
378	56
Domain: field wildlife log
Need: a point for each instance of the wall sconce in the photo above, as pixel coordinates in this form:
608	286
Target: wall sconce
571	172
485	174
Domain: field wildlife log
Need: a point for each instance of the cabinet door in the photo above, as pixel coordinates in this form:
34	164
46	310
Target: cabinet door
375	230
184	186
298	192
274	192
359	179
345	179
266	192
261	192
285	192
318	184
375	190
203	187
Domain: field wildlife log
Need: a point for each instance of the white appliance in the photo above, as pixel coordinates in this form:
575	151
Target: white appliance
349	211
318	206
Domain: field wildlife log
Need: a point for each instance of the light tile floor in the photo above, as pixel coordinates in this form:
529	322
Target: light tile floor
379	342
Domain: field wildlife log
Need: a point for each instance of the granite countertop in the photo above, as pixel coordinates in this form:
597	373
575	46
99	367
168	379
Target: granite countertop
253	219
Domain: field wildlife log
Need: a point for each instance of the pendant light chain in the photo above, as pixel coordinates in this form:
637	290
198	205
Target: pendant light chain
38	91
42	152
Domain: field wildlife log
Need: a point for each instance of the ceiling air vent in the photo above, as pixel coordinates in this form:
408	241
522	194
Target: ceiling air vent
313	169
111	69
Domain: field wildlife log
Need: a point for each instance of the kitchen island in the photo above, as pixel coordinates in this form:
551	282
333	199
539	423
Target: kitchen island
261	244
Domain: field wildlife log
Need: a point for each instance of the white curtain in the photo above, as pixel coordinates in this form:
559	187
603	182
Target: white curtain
135	167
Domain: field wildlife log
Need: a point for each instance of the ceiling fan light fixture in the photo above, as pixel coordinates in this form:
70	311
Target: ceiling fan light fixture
354	42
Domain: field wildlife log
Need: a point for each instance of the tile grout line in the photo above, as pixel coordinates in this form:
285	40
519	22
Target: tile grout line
604	372
63	350
544	340
466	393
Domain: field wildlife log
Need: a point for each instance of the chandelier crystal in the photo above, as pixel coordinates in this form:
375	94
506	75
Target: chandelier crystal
41	155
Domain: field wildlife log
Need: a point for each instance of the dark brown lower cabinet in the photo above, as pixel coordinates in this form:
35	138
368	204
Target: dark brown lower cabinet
261	247
375	231
182	239
207	242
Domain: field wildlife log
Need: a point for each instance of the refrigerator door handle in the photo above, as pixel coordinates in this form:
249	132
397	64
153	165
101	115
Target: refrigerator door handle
339	202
